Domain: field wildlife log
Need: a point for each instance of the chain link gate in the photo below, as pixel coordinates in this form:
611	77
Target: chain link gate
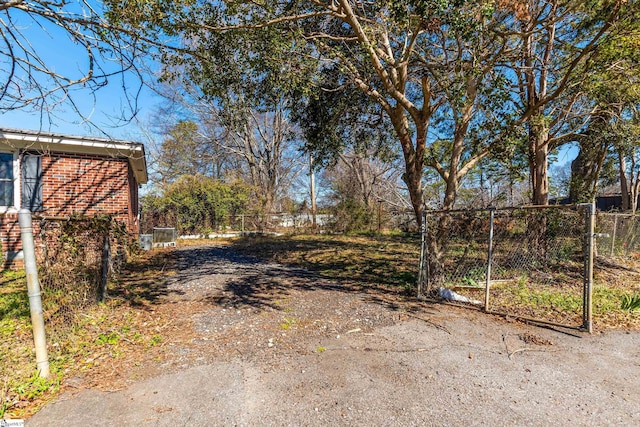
534	263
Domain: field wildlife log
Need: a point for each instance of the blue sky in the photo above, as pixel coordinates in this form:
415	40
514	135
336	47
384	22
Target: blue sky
110	103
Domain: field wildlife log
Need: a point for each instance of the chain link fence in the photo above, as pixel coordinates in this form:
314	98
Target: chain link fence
243	223
619	236
76	259
396	220
526	262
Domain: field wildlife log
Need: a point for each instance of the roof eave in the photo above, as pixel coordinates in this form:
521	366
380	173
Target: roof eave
50	142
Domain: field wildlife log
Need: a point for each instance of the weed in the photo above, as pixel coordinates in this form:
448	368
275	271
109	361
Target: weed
7	328
35	386
522	282
321	350
408	288
630	303
556	300
287	323
14	302
4	399
111	338
606	299
403	278
468	281
155	340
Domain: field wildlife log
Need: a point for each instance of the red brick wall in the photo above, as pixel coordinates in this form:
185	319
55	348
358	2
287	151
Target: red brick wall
85	185
80	184
10	232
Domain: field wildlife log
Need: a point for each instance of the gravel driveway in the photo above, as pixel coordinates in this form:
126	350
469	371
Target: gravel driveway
263	344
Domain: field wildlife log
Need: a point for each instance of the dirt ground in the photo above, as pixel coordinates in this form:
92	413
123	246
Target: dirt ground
254	343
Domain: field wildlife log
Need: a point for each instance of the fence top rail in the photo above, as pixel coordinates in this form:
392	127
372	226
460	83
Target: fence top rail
510	208
620	214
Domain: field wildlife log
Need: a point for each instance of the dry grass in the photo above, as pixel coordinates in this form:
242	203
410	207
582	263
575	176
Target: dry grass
124	331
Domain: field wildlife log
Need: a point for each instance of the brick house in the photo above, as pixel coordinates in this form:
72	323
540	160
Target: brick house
59	175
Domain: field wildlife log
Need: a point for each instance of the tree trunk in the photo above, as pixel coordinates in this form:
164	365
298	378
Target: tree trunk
312	188
585	169
539	160
452	179
635	191
450	191
413	159
413	178
585	172
635	184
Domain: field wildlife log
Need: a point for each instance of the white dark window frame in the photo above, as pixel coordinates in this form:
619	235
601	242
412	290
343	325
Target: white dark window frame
17	193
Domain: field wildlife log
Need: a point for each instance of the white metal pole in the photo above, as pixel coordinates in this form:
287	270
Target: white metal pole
33	288
613	237
312	179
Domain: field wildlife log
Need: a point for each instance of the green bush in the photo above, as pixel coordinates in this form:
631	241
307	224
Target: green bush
350	215
194	204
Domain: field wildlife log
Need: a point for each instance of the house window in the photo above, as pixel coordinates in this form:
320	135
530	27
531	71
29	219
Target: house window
32	182
6	179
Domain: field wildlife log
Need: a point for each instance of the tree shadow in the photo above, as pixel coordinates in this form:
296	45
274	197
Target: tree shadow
380	260
263	284
144	281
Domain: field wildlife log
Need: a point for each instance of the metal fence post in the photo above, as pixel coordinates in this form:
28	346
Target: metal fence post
106	258
590	225
613	234
423	242
33	289
489	257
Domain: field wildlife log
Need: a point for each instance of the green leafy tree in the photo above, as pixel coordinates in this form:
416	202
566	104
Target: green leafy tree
629	164
413	60
183	152
612	90
558	40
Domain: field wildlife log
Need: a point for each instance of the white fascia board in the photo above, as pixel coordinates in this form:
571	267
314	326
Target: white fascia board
48	142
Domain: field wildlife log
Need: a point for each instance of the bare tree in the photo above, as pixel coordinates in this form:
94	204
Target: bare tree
262	141
373	180
37	38
238	141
